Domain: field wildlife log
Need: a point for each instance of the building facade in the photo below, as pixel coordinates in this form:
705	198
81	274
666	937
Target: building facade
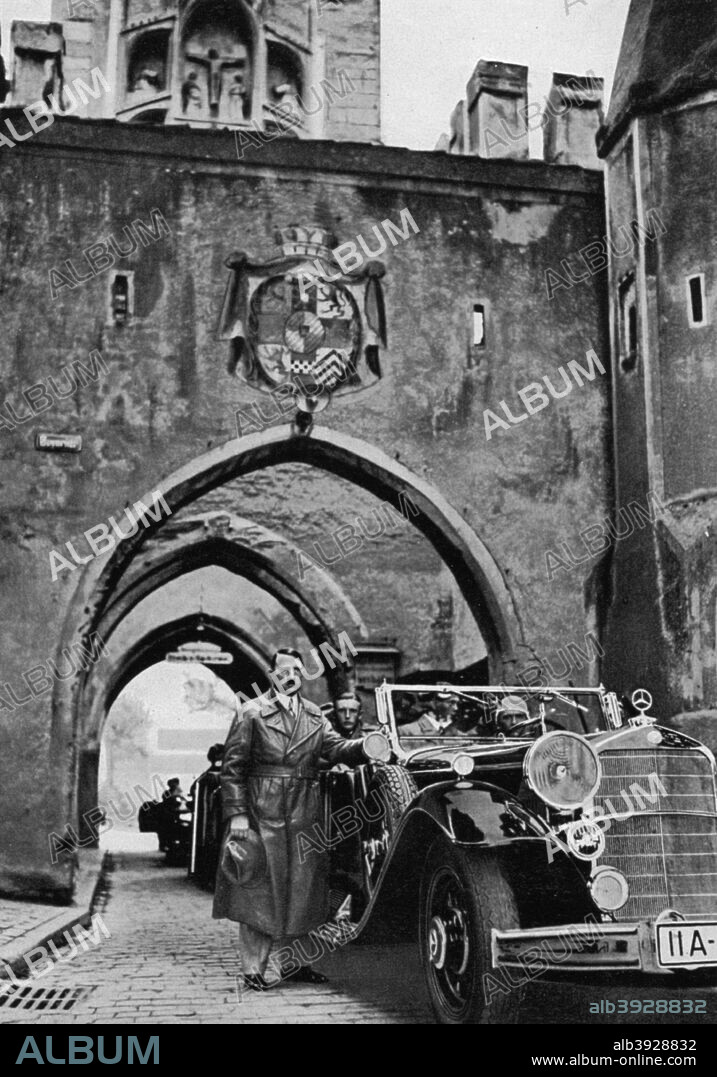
168	243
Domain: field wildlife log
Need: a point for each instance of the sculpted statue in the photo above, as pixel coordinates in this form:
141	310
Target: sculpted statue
150	79
215	64
191	94
237	97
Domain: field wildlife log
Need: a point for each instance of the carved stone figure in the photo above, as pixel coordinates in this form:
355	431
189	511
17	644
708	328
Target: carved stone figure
192	100
282	92
215	65
149	79
237	96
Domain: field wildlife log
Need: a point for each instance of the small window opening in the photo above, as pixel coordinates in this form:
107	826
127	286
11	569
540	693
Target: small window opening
628	323
632	329
696	299
121	298
478	326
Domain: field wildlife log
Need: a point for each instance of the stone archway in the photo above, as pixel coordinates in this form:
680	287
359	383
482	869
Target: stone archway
184	545
475	570
251	663
245	548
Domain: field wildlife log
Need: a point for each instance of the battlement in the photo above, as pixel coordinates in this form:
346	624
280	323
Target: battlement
495	119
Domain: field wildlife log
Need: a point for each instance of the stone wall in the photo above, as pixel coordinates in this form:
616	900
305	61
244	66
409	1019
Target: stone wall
338	44
353	37
487	232
661	626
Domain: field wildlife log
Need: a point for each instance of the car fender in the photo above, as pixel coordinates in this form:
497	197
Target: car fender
550	886
478	813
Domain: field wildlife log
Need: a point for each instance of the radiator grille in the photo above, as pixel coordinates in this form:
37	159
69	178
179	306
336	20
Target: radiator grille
669	860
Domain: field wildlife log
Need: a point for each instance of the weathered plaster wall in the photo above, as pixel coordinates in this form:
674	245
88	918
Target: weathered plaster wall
661	627
682	146
353	36
488	231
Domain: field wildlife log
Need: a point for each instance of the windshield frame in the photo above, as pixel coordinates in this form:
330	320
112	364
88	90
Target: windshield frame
387	717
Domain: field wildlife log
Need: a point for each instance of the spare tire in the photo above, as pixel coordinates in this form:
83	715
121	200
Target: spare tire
394	788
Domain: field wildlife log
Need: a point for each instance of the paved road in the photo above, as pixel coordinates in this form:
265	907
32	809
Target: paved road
167	961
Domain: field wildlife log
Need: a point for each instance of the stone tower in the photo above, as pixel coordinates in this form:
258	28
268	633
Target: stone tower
659	143
277	66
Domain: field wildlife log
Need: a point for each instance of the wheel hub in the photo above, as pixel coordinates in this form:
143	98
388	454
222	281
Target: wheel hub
437	943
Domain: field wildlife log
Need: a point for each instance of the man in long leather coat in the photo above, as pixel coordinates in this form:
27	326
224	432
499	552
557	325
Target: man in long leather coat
269	783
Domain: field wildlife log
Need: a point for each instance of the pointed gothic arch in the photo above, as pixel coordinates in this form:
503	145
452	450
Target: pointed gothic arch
475	570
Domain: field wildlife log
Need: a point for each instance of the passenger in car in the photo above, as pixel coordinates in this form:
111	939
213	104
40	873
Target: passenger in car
437	721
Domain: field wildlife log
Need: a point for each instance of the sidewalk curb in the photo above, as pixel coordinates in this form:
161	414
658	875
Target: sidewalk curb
92	870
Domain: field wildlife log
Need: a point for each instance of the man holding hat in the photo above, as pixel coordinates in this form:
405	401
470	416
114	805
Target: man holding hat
270	796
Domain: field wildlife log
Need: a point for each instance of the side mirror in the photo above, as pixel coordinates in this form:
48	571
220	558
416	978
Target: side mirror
377	748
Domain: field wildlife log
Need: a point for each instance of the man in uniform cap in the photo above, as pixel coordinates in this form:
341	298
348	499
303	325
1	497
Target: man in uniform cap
438	720
270	797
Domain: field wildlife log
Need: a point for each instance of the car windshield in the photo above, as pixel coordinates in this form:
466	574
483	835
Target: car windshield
450	714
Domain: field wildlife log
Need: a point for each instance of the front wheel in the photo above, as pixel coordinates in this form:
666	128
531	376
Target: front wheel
463	896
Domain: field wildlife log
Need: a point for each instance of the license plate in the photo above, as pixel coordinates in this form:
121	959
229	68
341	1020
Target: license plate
683	943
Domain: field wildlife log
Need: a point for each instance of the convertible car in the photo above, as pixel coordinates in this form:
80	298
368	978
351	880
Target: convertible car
516	833
522	832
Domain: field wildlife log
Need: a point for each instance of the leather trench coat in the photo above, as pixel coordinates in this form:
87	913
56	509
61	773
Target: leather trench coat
270	774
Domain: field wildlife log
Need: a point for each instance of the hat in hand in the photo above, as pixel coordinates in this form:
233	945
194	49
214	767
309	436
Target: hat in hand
244	862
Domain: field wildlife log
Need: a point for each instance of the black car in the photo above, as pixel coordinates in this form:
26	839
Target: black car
517	832
525	832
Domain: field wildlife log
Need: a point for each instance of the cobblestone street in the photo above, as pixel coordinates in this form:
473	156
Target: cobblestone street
167	961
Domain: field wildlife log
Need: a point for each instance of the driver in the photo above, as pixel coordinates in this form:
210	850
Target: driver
511	712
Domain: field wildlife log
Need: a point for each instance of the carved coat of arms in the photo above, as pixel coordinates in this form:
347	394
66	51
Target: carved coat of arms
299	319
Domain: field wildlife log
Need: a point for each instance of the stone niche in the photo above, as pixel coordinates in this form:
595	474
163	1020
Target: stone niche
284	83
146	59
147	65
216	65
37	61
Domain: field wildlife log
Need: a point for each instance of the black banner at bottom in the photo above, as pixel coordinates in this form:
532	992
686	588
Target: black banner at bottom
550	1048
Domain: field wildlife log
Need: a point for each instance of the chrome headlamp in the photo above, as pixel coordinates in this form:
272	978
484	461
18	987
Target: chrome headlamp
563	769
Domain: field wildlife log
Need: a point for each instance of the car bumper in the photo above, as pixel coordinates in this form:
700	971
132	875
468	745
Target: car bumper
581	947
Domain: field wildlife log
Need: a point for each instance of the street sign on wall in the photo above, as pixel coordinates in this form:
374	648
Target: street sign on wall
58	442
205	655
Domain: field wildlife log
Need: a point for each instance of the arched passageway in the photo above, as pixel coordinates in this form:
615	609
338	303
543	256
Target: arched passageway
121	577
181	547
249	665
245	548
